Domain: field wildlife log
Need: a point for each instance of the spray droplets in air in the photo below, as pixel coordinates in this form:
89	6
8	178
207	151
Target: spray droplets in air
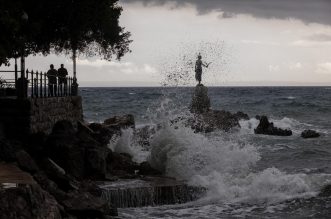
178	69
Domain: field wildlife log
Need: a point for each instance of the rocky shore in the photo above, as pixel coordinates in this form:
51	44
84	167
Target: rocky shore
62	169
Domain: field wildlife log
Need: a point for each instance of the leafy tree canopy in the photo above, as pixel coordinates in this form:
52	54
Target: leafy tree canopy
39	26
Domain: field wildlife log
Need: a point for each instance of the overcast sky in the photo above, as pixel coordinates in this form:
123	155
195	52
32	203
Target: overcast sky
249	42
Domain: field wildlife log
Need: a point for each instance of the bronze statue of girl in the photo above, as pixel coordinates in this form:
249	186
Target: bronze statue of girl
198	68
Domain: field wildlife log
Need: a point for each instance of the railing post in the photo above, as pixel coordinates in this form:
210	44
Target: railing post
41	84
45	85
36	85
16	73
32	84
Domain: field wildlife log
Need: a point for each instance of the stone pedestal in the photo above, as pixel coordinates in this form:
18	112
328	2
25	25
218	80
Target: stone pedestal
200	100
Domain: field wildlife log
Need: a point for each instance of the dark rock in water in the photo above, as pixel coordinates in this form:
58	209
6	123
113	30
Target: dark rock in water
146	169
215	119
200	100
267	128
90	187
96	162
25	162
241	116
79	154
121	163
84	128
120	122
310	134
86	205
325	191
102	133
67	153
28	201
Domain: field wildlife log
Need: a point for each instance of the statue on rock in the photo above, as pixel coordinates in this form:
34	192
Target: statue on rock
200	101
198	68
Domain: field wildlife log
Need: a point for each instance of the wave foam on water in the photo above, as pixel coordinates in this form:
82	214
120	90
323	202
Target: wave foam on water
224	167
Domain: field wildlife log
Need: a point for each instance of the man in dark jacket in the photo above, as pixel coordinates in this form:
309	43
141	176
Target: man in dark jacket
52	81
62	74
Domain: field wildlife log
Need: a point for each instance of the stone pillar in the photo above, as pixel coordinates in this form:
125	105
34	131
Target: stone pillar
200	100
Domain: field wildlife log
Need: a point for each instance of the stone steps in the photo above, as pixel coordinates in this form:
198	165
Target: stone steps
151	191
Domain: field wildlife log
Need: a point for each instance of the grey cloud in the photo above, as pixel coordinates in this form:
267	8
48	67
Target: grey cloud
320	37
309	11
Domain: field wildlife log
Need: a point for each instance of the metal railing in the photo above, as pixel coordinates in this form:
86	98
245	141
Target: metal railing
42	85
36	84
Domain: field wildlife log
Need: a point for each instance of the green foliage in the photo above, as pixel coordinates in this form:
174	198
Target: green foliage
90	27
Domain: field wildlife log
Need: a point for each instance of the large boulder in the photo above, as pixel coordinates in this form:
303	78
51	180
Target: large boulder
200	100
120	122
96	162
121	164
146	169
215	119
8	151
325	191
25	162
102	133
267	128
57	174
27	202
310	134
86	205
64	148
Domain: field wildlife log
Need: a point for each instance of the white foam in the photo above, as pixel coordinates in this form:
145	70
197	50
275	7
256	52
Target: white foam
290	98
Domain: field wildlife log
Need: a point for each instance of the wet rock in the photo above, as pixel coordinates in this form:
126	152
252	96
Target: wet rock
310	134
102	133
25	162
214	119
63	127
121	164
96	162
58	175
86	205
120	122
91	187
146	169
84	128
7	151
28	201
64	149
50	186
267	128
200	100
325	191
241	116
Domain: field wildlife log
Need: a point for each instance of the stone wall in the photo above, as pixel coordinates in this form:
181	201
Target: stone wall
22	117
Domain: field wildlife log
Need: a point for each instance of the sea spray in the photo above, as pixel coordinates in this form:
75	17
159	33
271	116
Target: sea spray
225	168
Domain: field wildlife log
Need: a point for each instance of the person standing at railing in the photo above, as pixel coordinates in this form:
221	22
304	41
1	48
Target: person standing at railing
52	81
62	74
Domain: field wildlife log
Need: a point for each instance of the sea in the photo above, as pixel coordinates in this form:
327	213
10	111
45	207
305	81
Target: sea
246	175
